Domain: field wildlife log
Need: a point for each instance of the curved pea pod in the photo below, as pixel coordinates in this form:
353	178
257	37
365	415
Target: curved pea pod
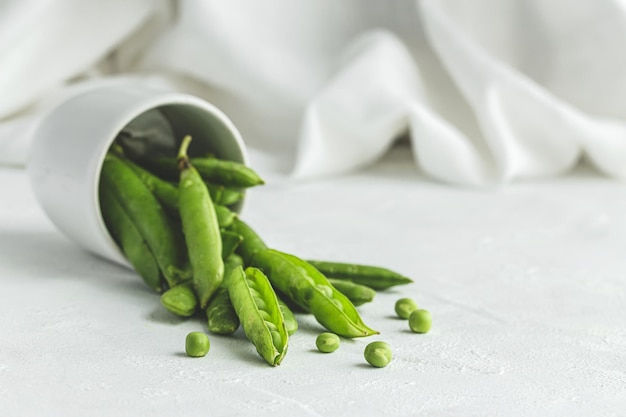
129	238
251	243
230	241
200	228
291	324
227	173
164	241
221	315
257	307
356	293
180	300
371	276
308	288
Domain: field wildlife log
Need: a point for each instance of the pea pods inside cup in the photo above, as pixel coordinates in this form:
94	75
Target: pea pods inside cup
71	142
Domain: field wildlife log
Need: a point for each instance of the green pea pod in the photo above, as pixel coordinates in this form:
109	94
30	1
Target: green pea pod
165	192
227	173
356	293
221	315
201	229
129	239
230	241
180	300
217	171
251	244
225	217
148	215
230	196
307	287
231	263
371	276
215	191
257	308
224	196
291	324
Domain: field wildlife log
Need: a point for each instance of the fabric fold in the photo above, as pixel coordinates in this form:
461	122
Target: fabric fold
489	91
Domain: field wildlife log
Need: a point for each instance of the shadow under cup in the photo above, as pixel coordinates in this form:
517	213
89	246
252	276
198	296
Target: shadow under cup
71	142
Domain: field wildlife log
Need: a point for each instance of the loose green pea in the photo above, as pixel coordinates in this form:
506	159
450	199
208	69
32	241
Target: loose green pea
404	307
420	321
327	342
197	344
378	354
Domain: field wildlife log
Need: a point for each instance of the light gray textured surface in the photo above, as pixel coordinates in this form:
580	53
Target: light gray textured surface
527	286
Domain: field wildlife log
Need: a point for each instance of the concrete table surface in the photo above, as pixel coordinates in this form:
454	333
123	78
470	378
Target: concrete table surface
526	284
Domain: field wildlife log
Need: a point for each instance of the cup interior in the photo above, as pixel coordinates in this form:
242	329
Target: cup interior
159	131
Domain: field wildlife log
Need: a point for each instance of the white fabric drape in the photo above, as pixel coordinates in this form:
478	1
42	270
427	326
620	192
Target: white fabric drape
489	90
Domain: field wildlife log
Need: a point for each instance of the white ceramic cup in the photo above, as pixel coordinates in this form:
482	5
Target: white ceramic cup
70	144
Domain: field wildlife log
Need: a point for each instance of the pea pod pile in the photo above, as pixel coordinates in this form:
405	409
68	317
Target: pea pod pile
172	219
